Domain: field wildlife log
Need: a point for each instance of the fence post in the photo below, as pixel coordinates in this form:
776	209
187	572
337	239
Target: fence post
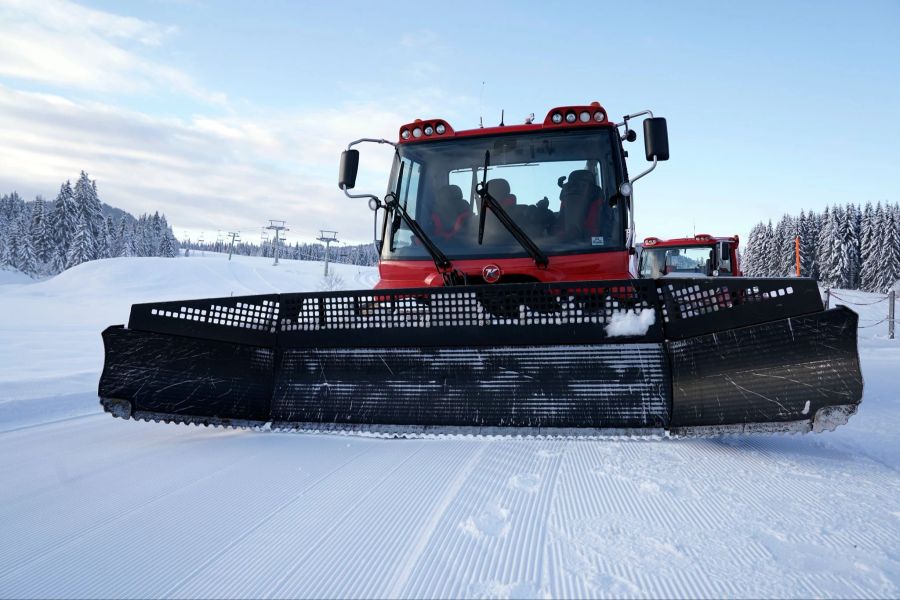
827	297
892	298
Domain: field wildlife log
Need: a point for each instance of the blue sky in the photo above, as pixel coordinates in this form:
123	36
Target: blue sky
226	114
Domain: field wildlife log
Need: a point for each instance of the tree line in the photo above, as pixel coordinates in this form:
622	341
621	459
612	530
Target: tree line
848	247
358	254
45	238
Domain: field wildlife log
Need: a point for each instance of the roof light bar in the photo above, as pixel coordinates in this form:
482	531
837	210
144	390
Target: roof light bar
566	116
420	129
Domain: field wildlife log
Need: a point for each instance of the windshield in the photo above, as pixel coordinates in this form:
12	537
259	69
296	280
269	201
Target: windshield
656	262
556	186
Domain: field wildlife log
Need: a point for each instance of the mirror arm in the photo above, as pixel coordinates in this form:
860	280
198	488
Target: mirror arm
360	141
375	140
627	118
653	166
349	195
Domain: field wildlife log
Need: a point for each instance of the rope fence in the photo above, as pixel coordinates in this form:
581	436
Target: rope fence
890	298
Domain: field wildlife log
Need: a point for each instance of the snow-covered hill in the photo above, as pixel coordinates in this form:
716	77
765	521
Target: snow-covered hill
51	329
91	506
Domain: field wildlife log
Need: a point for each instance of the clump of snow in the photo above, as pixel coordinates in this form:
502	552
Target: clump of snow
527	482
493	521
631	323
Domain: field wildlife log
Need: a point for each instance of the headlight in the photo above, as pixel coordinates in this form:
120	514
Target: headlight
585	116
405	134
429	130
599	116
556	118
570	117
417	132
440	128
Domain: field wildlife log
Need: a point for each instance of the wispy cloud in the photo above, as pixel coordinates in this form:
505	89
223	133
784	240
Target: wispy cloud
210	170
68	45
64	16
204	173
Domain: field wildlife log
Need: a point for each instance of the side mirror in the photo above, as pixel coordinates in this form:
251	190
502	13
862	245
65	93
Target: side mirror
656	139
348	170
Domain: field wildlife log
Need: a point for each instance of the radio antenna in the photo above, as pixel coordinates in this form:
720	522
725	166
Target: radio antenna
481	107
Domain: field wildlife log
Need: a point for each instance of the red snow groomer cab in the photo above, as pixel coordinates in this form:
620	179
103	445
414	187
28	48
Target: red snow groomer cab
554	205
507	305
699	256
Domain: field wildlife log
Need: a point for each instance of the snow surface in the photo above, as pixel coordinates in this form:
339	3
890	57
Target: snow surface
9	275
91	506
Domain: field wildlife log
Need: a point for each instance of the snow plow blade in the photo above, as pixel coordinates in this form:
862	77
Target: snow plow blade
682	356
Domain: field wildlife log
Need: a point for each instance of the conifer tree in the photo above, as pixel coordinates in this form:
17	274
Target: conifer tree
82	247
824	251
751	257
40	233
88	206
63	223
25	260
890	270
869	253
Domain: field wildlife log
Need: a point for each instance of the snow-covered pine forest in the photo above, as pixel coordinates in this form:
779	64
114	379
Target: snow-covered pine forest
45	238
848	247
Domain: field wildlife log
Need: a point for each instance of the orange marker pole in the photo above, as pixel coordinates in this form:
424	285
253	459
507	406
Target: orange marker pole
797	253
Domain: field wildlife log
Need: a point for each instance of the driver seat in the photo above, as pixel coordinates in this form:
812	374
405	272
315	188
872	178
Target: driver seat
450	212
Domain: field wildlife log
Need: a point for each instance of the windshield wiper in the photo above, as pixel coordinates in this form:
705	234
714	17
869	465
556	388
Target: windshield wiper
392	202
489	202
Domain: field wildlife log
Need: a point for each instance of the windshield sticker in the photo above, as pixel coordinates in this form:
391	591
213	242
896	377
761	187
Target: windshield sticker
596	240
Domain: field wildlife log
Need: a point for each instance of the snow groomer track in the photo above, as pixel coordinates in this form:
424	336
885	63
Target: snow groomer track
690	357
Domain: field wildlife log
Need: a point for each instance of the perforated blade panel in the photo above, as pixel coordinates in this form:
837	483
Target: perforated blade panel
693	307
515	314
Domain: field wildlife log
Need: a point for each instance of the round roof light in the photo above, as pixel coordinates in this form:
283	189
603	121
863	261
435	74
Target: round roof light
429	130
405	134
556	118
585	116
440	128
599	116
570	117
417	132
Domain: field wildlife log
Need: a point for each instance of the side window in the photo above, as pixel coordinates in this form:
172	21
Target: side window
409	196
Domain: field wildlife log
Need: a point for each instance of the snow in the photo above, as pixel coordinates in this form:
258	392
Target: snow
631	323
9	275
92	506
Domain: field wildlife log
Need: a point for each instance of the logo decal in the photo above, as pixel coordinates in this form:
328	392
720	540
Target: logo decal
491	273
